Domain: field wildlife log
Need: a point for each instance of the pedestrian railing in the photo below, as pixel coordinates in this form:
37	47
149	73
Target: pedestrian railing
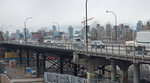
114	50
62	78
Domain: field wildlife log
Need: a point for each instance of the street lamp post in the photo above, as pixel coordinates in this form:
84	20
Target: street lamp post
25	26
86	29
115	22
6	32
58	29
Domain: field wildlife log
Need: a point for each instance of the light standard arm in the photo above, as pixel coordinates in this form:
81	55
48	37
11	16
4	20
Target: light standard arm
25	26
114	15
58	29
115	22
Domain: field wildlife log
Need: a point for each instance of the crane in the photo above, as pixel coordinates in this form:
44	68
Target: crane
85	20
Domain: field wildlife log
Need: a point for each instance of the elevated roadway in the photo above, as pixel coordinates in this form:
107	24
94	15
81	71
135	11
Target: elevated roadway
113	55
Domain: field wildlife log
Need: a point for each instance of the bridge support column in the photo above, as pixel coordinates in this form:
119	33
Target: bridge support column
61	65
27	58
90	64
123	65
124	76
103	71
136	73
90	68
113	68
75	69
37	61
44	59
20	54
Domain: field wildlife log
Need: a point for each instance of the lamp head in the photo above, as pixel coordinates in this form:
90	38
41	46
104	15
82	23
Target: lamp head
31	17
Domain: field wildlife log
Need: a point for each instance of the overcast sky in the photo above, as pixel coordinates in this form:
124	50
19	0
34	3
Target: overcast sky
70	12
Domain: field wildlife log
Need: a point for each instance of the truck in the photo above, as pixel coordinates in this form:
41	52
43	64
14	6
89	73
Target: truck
141	43
48	39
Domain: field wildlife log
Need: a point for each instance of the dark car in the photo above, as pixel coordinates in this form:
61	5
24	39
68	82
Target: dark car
97	44
78	44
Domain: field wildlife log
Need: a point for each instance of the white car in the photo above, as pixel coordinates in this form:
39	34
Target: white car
32	41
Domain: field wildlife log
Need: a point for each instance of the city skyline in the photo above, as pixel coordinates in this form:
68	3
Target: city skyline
70	12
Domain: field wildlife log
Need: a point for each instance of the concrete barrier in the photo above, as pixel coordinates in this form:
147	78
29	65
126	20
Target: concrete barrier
5	79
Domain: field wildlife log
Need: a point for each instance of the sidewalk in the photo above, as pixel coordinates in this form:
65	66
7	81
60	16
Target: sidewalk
28	80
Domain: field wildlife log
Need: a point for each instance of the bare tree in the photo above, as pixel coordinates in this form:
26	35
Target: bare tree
2	26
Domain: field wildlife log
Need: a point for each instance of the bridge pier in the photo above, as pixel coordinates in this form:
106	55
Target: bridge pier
124	76
61	65
20	54
136	73
75	69
44	59
27	58
90	69
113	70
123	65
90	64
37	59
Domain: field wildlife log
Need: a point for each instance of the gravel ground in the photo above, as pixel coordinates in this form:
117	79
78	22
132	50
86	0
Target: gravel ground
16	73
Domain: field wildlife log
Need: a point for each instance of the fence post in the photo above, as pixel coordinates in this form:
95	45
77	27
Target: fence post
126	52
119	51
112	50
142	53
106	52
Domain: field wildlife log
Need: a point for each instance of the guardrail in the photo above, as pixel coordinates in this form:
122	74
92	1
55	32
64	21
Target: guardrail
96	50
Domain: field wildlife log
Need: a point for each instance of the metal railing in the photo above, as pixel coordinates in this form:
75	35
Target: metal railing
64	78
113	50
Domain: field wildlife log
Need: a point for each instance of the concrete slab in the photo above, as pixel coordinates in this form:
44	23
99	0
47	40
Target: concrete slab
28	80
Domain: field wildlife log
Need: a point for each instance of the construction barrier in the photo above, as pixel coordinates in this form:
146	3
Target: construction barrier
17	59
13	55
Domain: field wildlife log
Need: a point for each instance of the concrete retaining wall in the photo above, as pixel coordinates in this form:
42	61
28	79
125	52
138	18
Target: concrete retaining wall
5	79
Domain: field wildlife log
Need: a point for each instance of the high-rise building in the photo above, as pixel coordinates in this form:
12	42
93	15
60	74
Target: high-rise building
139	24
54	28
121	26
70	32
42	32
17	31
108	30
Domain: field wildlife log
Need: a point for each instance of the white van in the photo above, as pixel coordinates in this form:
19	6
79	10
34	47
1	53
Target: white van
48	39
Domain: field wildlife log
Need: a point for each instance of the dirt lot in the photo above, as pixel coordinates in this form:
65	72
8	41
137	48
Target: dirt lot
17	73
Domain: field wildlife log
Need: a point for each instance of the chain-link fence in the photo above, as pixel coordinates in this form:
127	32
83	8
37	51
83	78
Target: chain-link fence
64	78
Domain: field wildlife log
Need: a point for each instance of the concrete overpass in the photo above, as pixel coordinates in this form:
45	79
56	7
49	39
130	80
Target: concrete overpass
90	59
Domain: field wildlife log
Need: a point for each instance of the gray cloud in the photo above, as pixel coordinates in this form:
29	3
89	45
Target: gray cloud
70	12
